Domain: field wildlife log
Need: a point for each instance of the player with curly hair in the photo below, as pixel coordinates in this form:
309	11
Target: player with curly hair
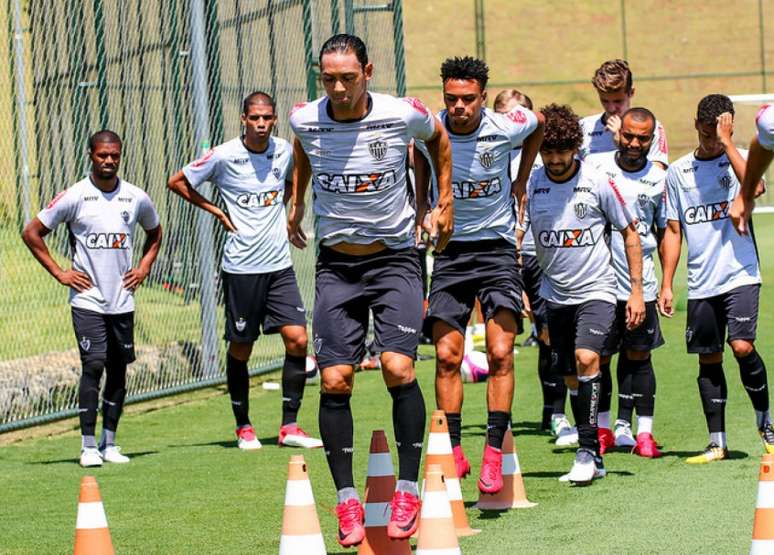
570	207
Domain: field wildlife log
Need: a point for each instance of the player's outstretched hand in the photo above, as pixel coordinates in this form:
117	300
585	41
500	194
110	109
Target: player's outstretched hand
75	279
296	234
740	213
614	126
665	299
635	311
134	278
424	226
725	128
226	222
442	226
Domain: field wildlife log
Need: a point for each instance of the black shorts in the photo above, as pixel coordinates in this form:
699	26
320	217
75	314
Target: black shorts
388	283
579	326
645	337
707	319
466	270
532	274
256	302
104	337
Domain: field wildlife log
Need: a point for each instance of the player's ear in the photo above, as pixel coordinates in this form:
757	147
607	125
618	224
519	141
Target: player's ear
243	119
483	96
369	71
631	92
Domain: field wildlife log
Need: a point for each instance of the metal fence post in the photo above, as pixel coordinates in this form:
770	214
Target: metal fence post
400	60
762	35
480	30
349	17
311	77
21	112
204	246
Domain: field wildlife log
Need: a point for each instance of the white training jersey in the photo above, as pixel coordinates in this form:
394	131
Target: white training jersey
569	221
252	185
528	242
765	123
596	138
699	195
481	179
101	228
361	193
644	192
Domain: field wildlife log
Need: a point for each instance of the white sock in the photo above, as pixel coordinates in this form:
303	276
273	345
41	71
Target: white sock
762	418
621	422
718	438
88	442
108	438
644	424
407	486
603	419
345	494
558	416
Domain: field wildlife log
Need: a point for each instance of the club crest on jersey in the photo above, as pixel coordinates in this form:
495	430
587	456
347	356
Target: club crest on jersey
276	173
378	149
486	158
724	181
566	238
85	343
706	213
581	209
125	216
643	199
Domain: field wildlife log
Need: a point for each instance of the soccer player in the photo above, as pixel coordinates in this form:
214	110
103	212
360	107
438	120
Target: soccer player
641	183
601	132
100	212
480	260
570	206
760	156
259	283
551	380
353	143
723	272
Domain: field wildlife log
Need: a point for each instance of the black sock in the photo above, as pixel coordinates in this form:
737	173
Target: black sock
714	393
336	431
454	420
497	426
293	382
547	384
238	389
88	395
114	394
606	387
574	405
753	373
624	378
588	408
643	386
408	420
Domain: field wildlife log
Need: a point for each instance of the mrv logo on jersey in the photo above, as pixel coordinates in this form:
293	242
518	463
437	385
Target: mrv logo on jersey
706	213
107	241
476	189
566	238
258	200
356	183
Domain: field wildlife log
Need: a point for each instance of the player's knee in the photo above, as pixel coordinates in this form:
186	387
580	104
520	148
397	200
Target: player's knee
586	360
336	382
397	369
571	382
501	355
448	357
296	342
240	351
638	355
711	358
94	364
742	348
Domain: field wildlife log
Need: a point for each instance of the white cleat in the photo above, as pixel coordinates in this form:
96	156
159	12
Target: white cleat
566	436
90	457
623	434
246	439
291	435
112	454
586	468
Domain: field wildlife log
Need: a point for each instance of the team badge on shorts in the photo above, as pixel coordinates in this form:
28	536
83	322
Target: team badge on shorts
317	344
240	324
125	216
581	210
486	158
378	149
85	343
724	181
276	173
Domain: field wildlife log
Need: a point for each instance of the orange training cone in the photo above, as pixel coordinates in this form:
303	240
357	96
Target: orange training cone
439	451
380	485
436	524
300	527
92	536
763	527
513	495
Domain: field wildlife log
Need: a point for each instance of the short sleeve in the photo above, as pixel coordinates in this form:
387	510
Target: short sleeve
202	170
614	205
419	120
289	170
660	216
520	123
765	123
659	149
672	199
147	216
61	209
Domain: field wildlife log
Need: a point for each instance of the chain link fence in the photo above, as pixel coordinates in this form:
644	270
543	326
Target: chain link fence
169	77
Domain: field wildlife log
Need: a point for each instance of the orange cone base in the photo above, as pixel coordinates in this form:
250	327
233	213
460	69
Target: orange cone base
503	501
93	542
376	542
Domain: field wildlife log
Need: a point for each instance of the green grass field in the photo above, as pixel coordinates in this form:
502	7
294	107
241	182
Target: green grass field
189	490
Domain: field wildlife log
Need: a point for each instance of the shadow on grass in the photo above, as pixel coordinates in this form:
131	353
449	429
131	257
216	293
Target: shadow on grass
686	454
76	460
226	444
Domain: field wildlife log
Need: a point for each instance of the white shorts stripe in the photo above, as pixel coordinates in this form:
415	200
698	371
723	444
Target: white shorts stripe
765	495
91	515
299	493
377	514
453	489
380	464
511	464
308	544
439	444
436	505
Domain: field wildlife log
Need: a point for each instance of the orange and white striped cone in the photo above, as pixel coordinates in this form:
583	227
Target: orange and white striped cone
439	451
513	495
300	526
763	527
380	485
437	535
92	536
